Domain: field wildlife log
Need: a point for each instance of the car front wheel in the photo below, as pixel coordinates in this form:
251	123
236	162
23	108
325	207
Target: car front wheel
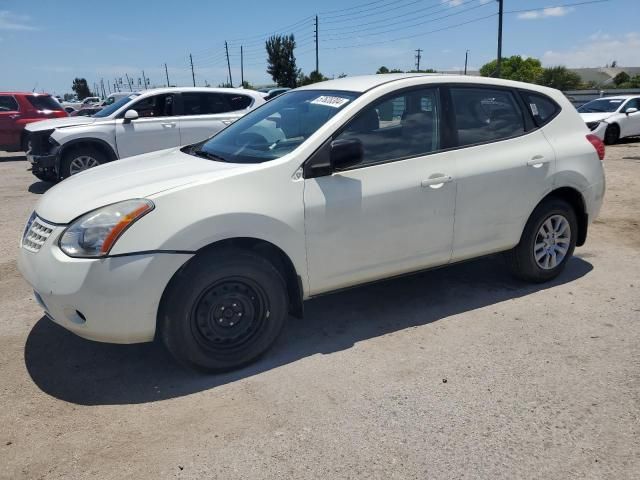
547	242
79	160
223	310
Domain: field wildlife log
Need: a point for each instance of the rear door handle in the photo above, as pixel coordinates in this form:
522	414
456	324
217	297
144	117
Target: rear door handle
436	182
537	161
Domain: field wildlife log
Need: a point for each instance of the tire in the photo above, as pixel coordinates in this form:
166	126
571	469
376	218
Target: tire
224	310
80	159
612	134
46	176
558	215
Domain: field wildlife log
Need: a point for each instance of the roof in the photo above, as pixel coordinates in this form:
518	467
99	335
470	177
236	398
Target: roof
156	91
35	94
616	97
364	83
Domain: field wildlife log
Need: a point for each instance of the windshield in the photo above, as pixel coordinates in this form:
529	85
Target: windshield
275	129
108	110
601	105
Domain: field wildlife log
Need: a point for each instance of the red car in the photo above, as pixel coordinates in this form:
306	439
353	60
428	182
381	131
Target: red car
17	109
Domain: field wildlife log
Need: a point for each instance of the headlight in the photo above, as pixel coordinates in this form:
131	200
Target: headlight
93	234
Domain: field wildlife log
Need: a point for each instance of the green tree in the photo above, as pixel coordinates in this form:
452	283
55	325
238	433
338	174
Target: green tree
248	85
313	77
428	70
382	69
515	68
621	78
81	88
281	62
559	77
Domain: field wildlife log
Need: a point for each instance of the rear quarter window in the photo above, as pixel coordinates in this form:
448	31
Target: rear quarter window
542	108
8	104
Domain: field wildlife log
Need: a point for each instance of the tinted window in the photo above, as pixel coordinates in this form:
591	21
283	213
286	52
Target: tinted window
155	106
43	102
601	105
485	115
402	126
238	102
541	107
633	103
105	112
8	104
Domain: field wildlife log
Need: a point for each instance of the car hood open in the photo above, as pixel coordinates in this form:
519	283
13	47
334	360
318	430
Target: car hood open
59	123
134	177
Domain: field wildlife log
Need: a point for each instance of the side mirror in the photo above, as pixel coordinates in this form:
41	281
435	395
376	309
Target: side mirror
631	110
130	115
346	153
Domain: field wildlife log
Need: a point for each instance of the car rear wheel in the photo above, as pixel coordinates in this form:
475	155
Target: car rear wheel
223	310
79	160
612	134
547	242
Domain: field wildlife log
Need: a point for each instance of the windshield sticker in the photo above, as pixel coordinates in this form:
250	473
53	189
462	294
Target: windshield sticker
335	102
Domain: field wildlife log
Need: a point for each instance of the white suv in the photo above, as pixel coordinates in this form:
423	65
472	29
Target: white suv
138	123
339	183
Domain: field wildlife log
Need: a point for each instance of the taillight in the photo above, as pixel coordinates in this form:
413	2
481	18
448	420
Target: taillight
597	144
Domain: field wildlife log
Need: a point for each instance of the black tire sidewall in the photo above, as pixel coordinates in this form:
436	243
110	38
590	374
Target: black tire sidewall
65	170
524	252
612	134
204	270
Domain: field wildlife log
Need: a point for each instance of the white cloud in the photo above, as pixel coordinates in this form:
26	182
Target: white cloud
12	21
598	51
545	12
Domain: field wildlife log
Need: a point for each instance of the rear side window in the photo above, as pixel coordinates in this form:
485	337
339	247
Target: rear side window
485	115
43	102
203	103
8	104
542	108
238	102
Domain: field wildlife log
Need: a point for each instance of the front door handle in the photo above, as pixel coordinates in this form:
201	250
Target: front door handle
436	182
169	124
537	161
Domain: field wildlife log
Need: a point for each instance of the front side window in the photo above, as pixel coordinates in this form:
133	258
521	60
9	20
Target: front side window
633	103
155	106
485	115
115	106
275	128
8	104
402	126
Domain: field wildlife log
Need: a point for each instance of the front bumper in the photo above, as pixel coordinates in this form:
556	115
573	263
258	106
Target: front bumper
43	162
113	299
599	130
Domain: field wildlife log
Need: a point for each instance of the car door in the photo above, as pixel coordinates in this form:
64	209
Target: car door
156	128
9	115
630	122
392	213
505	166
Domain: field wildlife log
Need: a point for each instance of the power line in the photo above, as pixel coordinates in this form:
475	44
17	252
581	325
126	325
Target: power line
331	18
350	8
557	6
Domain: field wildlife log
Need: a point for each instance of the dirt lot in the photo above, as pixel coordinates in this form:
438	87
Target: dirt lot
455	373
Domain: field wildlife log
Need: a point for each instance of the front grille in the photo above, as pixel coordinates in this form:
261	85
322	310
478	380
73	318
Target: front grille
35	235
592	125
39	142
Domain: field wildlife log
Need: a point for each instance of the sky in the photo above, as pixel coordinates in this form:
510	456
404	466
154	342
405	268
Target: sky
44	44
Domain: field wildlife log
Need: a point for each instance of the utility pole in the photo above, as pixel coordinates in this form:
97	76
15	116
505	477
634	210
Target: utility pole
226	48
241	67
193	75
109	87
316	34
144	80
499	60
129	82
116	88
418	57
166	73
466	58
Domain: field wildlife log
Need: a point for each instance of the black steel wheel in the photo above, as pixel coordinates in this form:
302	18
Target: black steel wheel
223	310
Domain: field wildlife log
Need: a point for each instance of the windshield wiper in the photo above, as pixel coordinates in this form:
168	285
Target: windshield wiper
208	156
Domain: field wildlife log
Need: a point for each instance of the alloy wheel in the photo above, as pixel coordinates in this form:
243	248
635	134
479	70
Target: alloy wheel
552	242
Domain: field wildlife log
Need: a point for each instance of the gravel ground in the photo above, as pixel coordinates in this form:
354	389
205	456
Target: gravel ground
455	373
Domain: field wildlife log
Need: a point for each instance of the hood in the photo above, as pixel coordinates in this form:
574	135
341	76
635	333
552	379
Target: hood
596	116
60	122
134	177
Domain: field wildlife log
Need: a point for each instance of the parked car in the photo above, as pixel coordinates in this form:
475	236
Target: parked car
209	247
86	111
612	118
19	109
139	123
79	104
270	93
